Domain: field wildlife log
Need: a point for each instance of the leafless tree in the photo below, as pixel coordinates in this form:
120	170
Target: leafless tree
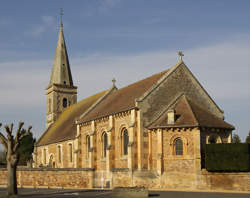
11	146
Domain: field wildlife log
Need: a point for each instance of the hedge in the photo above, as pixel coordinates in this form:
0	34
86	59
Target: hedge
227	157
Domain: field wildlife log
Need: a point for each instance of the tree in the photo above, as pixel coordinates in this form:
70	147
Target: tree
11	146
248	138
26	148
236	138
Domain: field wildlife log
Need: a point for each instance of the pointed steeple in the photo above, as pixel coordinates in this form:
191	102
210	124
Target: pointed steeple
61	92
61	73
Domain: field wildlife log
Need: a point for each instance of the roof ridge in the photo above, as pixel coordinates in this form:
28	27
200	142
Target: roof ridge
168	72
203	89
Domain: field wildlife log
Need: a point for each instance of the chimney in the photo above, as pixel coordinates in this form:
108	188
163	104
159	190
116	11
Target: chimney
171	116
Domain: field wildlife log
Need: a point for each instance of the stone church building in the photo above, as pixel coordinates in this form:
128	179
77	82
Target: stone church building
157	127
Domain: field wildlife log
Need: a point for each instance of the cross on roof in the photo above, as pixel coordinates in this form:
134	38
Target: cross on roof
61	14
113	81
180	53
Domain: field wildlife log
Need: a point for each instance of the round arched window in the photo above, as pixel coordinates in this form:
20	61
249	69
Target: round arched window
125	142
178	147
64	102
105	144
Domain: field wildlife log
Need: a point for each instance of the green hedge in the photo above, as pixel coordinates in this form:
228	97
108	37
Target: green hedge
227	157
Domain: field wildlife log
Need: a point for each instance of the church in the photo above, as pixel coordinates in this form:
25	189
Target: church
155	129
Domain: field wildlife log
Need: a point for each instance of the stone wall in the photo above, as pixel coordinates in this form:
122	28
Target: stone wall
51	178
88	178
238	181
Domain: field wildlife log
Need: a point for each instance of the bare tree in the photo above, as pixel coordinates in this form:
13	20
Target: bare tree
11	146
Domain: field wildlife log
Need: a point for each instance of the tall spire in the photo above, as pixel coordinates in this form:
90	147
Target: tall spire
61	73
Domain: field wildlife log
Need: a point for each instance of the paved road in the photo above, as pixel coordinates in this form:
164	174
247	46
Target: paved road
71	193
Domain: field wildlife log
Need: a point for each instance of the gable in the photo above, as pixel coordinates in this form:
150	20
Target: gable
179	80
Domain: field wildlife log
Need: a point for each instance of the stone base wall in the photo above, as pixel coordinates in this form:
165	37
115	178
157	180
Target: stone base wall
51	178
88	178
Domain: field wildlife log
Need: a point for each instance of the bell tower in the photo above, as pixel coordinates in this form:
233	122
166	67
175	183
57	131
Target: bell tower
61	91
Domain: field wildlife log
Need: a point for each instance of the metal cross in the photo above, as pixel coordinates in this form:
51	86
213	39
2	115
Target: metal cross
180	53
61	13
113	81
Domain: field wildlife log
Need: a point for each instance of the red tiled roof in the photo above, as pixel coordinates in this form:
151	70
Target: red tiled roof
189	114
123	99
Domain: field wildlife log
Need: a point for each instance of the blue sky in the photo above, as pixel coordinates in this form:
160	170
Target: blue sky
128	40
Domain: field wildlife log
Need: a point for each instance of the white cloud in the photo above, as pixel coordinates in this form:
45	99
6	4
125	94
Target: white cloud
222	69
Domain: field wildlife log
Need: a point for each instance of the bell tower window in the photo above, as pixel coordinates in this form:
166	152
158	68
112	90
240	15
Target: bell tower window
49	110
64	102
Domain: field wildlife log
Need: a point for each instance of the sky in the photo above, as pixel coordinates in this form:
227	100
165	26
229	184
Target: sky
127	40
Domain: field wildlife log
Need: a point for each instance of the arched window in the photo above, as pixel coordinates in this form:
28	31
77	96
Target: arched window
125	140
105	144
59	154
88	145
178	147
71	152
64	102
212	140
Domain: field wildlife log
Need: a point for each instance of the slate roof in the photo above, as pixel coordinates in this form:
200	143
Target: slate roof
65	128
123	99
189	114
61	73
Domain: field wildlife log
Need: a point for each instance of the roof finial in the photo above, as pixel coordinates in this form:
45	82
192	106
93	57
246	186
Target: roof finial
61	14
180	53
113	81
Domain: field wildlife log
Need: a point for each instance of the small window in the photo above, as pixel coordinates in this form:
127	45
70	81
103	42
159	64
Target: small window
125	140
178	147
64	82
64	102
